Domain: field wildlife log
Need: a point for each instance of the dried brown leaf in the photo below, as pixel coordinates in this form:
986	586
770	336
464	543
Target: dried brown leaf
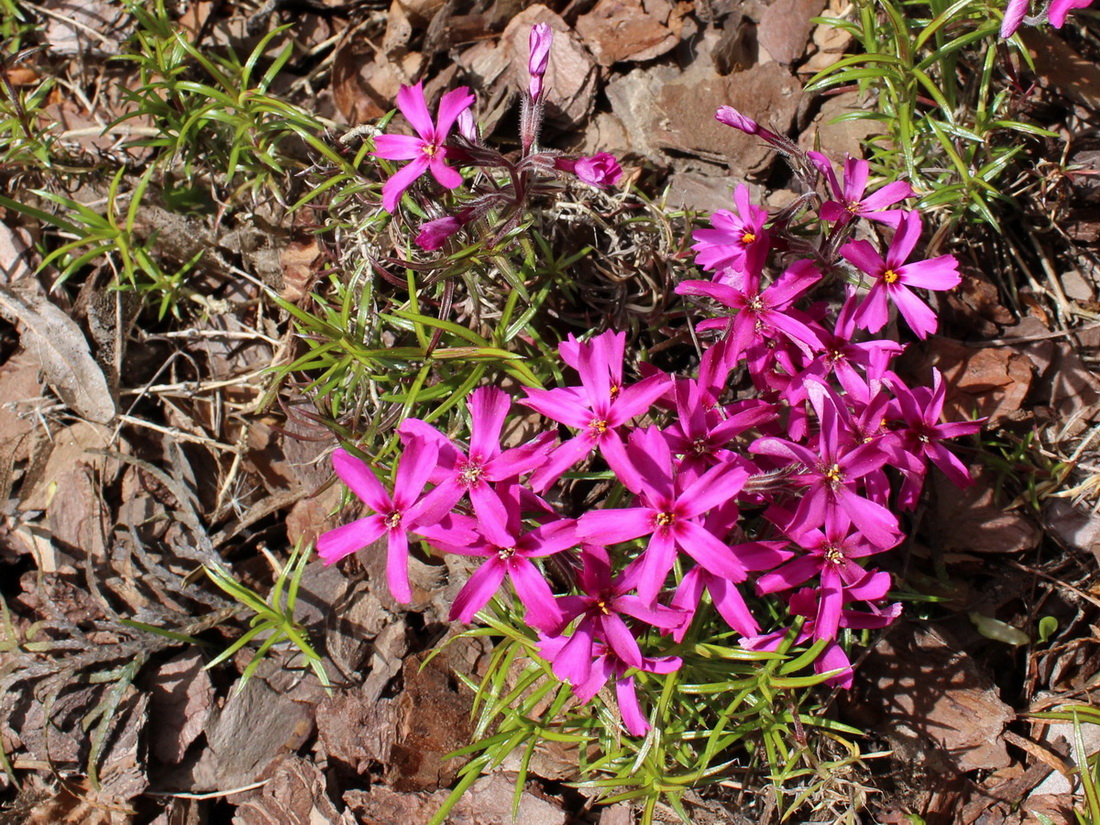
974	521
294	795
181	698
933	702
785	27
617	30
57	342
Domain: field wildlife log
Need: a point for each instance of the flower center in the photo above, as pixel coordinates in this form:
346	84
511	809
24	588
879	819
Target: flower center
665	519
429	149
505	553
890	276
853	206
833	476
470	475
755	305
599	425
748	238
601	605
833	554
393	520
700	446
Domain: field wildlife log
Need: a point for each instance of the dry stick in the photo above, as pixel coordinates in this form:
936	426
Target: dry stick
1024	568
1026	339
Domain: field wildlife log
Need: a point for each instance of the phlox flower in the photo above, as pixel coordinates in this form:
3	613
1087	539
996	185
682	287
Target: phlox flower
831	474
394	516
830	553
427	151
596	408
842	354
1016	13
761	313
600	170
1060	8
736	240
668	511
508	551
607	665
894	278
871	588
724	594
603	605
850	200
434	234
539	41
471	472
922	436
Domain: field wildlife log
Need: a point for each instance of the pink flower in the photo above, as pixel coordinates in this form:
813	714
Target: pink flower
1060	8
1014	16
608	665
508	552
427	151
735	240
668	511
850	201
600	170
540	39
602	606
597	408
394	517
893	279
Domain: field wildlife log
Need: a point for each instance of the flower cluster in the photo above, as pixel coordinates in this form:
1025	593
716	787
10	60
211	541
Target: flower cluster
776	471
509	183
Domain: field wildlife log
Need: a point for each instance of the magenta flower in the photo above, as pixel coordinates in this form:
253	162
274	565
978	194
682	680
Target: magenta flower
601	170
1060	8
736	240
922	436
872	587
727	599
762	314
831	474
830	553
394	517
427	151
606	666
667	512
602	605
596	408
539	40
470	473
893	279
1016	13
508	552
851	202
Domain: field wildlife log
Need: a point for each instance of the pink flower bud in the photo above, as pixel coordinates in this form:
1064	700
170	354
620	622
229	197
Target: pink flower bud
731	117
435	233
600	170
541	37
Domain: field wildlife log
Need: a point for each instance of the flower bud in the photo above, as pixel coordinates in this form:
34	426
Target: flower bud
600	170
435	233
541	37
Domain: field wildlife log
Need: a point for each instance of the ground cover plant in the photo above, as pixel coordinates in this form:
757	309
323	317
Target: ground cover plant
697	468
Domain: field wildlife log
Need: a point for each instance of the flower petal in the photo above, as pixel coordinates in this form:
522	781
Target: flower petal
411	103
355	473
346	539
